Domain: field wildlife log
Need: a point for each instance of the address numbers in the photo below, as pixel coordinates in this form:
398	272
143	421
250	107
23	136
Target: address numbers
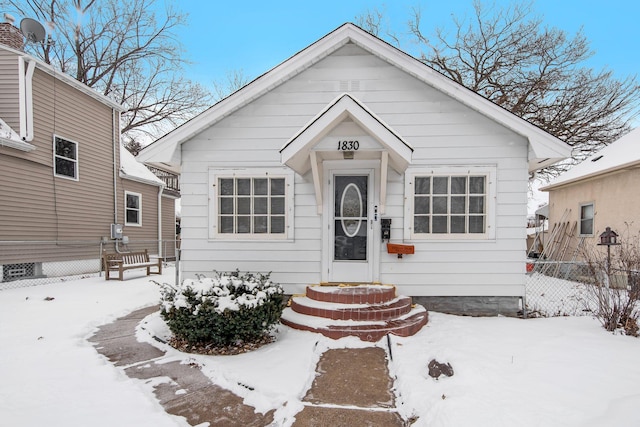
348	145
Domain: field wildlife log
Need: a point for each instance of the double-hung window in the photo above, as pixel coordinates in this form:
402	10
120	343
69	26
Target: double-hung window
450	205
586	219
133	208
65	158
251	205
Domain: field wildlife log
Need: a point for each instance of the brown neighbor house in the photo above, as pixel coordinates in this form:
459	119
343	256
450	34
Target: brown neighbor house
600	192
65	177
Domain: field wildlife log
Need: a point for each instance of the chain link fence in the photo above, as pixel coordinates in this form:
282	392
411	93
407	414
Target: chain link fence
558	288
31	263
561	288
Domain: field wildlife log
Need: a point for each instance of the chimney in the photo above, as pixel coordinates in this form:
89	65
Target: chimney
10	35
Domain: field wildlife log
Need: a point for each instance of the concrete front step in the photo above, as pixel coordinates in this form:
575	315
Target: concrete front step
380	311
372	331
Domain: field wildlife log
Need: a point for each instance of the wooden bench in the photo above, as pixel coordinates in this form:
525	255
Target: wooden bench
126	261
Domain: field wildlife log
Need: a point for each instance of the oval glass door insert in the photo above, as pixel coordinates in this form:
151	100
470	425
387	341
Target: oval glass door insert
351	208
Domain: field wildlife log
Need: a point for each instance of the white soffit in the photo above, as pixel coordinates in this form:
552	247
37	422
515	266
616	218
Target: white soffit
296	152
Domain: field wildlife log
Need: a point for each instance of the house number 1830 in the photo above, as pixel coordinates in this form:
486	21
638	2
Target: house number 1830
348	145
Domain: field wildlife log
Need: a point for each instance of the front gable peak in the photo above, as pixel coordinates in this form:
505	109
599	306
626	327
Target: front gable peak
372	137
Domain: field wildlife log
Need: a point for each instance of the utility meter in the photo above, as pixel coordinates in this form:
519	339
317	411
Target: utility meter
116	231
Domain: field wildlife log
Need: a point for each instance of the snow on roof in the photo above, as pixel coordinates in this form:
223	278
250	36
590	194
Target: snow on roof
622	153
7	133
132	169
10	138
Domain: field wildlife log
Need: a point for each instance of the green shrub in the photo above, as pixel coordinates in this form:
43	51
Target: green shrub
224	310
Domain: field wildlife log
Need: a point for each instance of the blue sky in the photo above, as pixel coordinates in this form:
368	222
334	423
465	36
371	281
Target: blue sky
255	36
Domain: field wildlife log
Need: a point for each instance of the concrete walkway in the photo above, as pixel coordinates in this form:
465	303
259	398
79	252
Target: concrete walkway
352	386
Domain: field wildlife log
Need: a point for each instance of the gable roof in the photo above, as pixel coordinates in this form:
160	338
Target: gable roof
48	69
295	152
545	149
622	153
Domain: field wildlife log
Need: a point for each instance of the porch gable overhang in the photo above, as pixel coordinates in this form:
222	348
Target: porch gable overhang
302	152
296	153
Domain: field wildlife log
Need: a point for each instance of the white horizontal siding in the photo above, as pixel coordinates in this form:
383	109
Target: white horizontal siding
441	131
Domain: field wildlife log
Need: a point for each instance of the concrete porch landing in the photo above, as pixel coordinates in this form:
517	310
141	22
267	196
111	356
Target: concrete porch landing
368	311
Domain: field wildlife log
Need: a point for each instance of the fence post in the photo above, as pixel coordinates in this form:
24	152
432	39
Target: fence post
177	267
100	260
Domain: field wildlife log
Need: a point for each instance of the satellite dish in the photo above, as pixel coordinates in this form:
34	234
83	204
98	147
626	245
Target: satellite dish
32	30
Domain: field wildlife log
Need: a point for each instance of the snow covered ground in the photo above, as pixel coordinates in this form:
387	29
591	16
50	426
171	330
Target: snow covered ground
564	371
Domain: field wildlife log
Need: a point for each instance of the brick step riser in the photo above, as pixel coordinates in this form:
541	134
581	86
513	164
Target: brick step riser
403	328
353	295
370	313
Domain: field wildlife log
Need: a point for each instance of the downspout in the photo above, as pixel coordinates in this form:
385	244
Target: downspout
25	87
115	165
160	190
115	136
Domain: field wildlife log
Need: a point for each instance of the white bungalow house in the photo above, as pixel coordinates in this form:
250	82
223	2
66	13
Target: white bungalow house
301	172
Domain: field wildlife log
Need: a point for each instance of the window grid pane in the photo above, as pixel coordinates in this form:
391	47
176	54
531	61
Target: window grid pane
251	206
449	205
66	158
132	209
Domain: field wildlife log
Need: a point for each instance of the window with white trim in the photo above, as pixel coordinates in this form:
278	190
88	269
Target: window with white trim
133	208
450	205
251	205
586	219
65	158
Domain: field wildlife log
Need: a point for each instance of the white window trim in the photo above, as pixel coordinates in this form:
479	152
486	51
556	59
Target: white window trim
593	219
77	159
489	171
286	173
126	208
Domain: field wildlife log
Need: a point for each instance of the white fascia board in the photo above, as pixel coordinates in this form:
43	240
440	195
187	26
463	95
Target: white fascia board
544	144
18	145
240	98
141	180
324	47
48	69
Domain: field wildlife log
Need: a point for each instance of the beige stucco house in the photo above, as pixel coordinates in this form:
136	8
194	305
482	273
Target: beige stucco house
64	176
600	192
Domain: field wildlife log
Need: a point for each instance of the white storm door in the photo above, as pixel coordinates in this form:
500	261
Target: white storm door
350	226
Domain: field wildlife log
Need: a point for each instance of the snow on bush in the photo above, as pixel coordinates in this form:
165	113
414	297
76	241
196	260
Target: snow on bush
227	309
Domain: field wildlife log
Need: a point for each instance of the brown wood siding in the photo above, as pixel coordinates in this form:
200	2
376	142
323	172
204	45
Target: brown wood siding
38	206
148	232
85	207
9	104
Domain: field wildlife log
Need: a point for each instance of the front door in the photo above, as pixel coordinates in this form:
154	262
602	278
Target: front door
351	226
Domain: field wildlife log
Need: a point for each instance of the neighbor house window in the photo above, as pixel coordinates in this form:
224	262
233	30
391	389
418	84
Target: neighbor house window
586	219
133	208
65	158
450	205
251	206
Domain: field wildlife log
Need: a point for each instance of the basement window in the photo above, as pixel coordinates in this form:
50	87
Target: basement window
25	270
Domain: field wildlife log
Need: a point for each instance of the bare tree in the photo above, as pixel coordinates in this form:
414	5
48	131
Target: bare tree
124	49
234	80
374	22
510	57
